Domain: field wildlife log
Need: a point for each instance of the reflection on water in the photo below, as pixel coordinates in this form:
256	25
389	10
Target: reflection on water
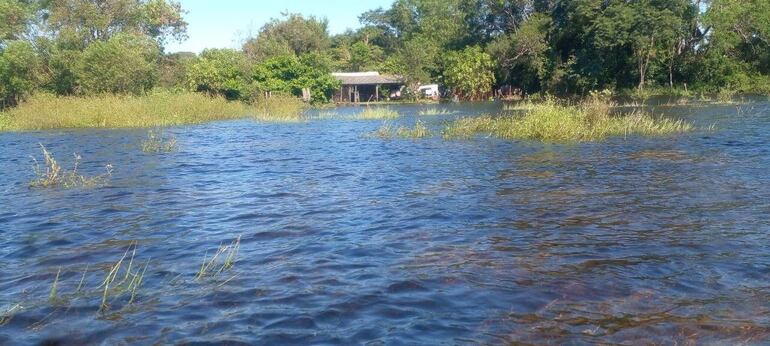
350	240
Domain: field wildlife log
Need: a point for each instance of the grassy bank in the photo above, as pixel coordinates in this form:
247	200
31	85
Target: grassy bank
44	111
552	122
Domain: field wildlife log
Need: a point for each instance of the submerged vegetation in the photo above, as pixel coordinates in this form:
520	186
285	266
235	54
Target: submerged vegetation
222	260
128	285
370	113
119	283
158	142
54	176
387	131
434	111
552	122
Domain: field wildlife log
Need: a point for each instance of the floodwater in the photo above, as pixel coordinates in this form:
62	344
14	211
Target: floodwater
347	239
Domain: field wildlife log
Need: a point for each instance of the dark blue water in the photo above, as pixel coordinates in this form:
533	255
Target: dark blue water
347	239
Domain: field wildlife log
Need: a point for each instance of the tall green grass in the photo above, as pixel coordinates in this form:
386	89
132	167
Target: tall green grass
280	108
552	122
45	111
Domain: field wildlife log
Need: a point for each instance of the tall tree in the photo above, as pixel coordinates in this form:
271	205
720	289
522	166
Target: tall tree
294	34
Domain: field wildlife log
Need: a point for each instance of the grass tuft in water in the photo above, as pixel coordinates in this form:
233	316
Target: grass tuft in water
160	109
212	267
127	286
54	176
52	296
9	313
280	109
552	122
378	113
434	111
387	131
158	142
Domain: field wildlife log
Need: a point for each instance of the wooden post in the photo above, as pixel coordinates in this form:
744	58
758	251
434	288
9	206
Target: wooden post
377	93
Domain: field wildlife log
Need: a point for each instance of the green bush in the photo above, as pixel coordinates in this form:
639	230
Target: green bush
220	71
123	64
19	67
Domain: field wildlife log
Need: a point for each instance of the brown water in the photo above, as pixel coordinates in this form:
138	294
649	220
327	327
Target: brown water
354	240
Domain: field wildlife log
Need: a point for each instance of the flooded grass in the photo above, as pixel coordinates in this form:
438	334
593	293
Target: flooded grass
158	142
45	111
280	109
228	255
388	131
127	286
53	174
434	111
370	113
552	122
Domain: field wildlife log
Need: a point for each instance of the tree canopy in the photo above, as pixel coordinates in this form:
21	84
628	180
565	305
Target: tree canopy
470	47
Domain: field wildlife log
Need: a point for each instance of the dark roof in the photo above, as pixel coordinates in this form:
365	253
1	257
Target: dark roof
365	78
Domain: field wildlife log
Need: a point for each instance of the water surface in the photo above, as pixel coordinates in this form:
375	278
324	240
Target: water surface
353	240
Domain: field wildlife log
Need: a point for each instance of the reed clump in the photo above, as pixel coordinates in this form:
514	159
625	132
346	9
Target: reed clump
223	259
161	109
378	113
280	108
387	131
158	142
53	174
549	121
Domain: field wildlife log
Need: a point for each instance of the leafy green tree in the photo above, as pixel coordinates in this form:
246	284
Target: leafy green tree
293	35
14	18
77	23
220	71
470	73
19	69
523	55
290	74
123	64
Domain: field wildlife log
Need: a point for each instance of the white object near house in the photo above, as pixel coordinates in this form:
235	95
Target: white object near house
430	90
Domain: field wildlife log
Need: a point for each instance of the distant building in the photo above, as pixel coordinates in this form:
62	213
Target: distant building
365	86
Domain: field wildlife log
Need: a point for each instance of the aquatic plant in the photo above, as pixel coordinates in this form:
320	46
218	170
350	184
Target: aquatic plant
280	108
161	109
553	122
54	287
378	113
387	131
157	142
53	176
8	314
129	285
210	265
327	114
433	111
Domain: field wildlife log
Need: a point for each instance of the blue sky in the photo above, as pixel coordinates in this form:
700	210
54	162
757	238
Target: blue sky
226	23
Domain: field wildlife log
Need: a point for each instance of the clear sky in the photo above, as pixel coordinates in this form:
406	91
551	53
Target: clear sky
226	23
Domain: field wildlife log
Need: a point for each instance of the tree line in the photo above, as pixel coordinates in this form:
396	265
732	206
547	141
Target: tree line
471	47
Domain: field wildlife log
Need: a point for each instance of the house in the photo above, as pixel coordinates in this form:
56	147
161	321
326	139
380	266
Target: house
365	86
